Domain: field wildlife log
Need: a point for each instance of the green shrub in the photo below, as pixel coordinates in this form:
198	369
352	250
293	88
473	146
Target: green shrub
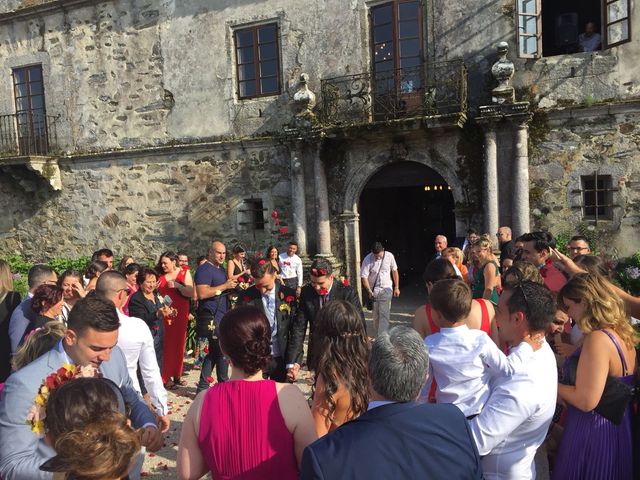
627	274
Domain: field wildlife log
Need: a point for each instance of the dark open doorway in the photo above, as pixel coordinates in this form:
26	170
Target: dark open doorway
404	206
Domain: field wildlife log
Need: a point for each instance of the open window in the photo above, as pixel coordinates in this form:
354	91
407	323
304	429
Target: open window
557	27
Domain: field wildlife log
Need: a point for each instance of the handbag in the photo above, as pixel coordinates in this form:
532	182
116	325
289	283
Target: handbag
615	396
367	301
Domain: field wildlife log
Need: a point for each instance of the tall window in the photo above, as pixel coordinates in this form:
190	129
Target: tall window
597	197
257	61
555	27
396	30
31	117
397	59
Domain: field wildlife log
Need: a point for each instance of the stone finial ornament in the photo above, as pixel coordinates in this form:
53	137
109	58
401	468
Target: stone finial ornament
304	101
304	98
503	71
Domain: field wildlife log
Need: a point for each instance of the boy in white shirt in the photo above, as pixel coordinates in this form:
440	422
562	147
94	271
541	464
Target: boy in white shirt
463	361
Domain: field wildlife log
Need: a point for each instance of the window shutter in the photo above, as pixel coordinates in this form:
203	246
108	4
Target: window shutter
617	26
529	28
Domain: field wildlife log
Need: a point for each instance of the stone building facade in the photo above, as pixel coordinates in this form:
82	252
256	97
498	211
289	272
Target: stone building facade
148	125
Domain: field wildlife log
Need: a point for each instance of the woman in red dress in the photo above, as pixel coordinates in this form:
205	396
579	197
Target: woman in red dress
178	285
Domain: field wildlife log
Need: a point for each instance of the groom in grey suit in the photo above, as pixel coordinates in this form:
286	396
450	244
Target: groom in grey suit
91	337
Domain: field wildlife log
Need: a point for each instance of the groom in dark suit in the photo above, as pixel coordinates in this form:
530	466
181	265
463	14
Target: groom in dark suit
397	438
322	288
279	304
90	339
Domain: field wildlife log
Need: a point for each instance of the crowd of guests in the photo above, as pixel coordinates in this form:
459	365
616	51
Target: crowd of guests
520	360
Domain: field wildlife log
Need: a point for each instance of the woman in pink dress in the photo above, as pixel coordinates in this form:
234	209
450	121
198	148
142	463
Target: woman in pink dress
248	427
178	285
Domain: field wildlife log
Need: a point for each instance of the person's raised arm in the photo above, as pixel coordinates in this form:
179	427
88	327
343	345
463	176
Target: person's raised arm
187	289
191	464
207	291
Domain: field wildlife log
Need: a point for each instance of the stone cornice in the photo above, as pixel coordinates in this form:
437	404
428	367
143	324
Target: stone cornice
596	110
25	13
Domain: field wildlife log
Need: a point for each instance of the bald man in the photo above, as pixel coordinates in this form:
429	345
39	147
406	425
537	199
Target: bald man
136	342
507	248
211	282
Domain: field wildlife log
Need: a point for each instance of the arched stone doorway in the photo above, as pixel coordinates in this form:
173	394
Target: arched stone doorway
405	205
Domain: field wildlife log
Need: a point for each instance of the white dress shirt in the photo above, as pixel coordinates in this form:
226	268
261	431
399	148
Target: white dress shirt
515	420
290	267
136	342
463	362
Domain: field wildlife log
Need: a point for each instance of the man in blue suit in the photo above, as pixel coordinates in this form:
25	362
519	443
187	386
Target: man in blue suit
397	438
90	338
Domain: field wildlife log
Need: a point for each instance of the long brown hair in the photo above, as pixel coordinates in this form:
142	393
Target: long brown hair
342	353
604	308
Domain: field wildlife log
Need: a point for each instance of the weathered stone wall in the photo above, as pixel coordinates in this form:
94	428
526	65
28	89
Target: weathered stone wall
472	28
580	142
145	203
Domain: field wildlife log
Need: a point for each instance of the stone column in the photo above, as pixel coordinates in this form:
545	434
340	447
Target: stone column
520	204
322	205
298	200
351	223
491	208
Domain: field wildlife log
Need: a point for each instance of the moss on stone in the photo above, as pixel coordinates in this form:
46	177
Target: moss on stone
469	163
538	130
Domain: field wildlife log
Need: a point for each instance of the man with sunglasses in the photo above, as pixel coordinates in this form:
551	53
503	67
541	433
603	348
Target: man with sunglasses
136	342
578	245
515	420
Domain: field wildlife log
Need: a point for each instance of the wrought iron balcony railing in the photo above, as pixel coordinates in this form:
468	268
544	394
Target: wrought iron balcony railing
430	89
27	133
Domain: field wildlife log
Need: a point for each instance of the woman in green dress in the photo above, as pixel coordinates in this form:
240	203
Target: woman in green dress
487	278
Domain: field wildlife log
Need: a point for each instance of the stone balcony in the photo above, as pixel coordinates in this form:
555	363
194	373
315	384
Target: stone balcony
30	140
433	92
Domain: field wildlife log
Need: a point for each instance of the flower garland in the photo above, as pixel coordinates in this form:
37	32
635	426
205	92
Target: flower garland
37	412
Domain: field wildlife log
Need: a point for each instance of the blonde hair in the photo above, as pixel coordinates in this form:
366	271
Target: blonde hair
484	242
38	343
455	252
6	281
604	308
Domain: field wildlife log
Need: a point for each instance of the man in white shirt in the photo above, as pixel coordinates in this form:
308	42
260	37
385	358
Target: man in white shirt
378	269
136	342
463	361
515	420
590	40
291	268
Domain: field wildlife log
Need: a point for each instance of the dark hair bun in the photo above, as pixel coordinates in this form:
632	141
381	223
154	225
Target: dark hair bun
245	336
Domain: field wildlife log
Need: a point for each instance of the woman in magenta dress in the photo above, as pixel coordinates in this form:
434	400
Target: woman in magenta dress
178	285
246	428
593	447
